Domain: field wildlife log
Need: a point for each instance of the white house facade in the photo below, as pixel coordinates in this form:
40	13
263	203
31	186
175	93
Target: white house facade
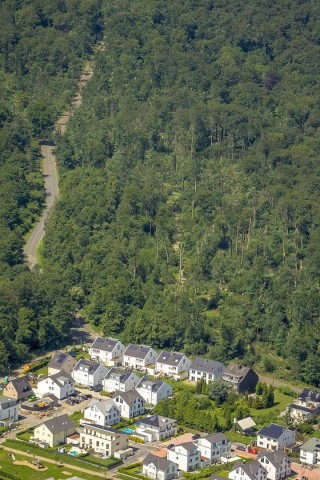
103	440
107	350
277	464
118	379
8	411
139	357
206	369
102	412
89	373
130	404
186	456
158	468
153	391
173	364
310	452
156	428
213	447
61	385
248	471
275	437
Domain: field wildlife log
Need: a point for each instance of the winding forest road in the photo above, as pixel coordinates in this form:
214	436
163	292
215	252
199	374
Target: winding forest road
50	173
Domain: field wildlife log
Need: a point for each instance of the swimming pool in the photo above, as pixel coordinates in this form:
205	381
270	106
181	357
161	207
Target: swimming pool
128	430
73	453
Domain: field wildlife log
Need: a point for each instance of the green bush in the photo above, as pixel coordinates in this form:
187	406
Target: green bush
136	439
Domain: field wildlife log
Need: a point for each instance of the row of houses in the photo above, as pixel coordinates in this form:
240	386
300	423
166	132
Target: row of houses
192	456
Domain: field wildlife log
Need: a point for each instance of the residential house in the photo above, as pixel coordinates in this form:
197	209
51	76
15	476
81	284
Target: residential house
102	440
173	364
156	428
213	447
242	379
277	464
61	385
107	350
61	361
55	430
102	412
130	404
152	391
206	369
158	468
186	456
245	426
275	437
306	408
248	471
89	373
18	388
8	411
310	452
118	379
139	357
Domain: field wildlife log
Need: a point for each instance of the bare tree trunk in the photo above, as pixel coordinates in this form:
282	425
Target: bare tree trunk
180	262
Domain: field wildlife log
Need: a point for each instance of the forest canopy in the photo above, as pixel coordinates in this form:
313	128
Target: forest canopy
189	211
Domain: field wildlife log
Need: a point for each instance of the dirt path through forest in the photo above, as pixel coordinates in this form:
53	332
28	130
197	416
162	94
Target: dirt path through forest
50	172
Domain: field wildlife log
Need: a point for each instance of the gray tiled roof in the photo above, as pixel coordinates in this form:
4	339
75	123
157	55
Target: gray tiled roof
118	374
170	358
137	351
205	365
188	446
156	421
128	397
216	437
154	385
59	424
251	468
311	445
160	463
59	377
103	405
275	458
93	426
21	384
87	365
105	344
273	431
62	361
310	394
236	370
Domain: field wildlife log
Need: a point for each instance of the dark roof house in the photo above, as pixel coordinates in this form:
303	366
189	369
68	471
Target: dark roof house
205	365
61	361
18	388
105	344
59	424
137	351
243	379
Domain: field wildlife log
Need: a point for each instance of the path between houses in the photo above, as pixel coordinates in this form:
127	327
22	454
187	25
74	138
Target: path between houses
279	383
104	474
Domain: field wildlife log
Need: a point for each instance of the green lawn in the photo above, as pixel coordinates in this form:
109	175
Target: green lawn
237	437
76	417
51	454
42	371
281	402
23	471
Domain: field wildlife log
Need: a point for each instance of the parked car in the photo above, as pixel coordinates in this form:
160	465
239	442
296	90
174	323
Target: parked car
241	448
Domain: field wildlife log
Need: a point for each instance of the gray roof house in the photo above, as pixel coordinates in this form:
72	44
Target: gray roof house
246	425
204	368
277	464
130	404
156	427
102	412
55	431
310	452
107	350
157	467
117	379
306	408
173	364
275	437
61	361
18	388
139	357
251	471
242	379
89	373
152	391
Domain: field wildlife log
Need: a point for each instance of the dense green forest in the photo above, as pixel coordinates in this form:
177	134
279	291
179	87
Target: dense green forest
189	215
42	48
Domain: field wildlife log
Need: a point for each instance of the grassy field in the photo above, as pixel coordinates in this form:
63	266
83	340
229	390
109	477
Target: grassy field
23	471
237	437
76	417
52	455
